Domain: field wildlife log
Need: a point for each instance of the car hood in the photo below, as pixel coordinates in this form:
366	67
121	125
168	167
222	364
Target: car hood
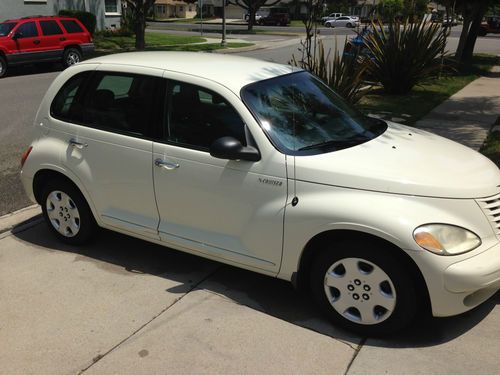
405	160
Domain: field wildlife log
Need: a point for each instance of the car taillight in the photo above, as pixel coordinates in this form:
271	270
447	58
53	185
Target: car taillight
25	155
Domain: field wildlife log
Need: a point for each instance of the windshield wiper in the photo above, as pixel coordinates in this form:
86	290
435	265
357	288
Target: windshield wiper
339	143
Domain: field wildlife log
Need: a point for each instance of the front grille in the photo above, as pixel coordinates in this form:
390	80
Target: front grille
491	207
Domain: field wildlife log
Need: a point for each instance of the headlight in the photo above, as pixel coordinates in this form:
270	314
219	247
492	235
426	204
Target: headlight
444	239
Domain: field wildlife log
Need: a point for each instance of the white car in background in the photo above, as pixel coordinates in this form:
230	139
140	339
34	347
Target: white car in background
344	21
262	166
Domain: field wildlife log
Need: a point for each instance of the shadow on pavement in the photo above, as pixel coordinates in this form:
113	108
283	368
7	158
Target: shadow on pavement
24	70
113	252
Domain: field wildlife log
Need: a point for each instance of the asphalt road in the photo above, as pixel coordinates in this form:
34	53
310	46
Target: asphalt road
22	90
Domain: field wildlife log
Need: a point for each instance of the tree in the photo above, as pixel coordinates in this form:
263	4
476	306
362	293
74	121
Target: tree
389	9
252	6
139	10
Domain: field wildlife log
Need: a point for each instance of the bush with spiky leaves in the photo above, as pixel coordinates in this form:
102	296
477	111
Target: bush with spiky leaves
342	72
404	55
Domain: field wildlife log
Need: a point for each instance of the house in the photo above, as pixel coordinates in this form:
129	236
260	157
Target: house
174	9
107	12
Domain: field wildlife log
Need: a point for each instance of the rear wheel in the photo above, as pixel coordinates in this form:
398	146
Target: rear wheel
363	288
3	66
71	56
482	32
349	25
67	213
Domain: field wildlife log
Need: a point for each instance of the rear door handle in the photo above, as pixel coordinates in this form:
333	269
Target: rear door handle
165	164
76	144
36	41
62	39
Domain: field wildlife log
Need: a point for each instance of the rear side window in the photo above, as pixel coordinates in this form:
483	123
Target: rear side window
27	30
120	102
71	26
50	28
67	104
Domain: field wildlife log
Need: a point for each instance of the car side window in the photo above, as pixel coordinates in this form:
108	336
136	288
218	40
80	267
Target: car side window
121	102
27	30
198	116
71	26
67	105
50	28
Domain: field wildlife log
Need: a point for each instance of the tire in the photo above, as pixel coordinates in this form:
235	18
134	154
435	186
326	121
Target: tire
348	25
328	24
482	32
67	213
71	56
380	296
3	66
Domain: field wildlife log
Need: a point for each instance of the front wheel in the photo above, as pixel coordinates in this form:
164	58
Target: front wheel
482	32
67	213
3	66
71	56
348	25
363	289
328	24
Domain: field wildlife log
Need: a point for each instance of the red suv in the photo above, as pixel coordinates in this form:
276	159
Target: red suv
42	39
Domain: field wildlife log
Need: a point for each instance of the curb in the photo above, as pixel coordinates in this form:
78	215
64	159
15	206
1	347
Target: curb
20	219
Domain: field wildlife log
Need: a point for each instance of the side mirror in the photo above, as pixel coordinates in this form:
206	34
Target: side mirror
232	149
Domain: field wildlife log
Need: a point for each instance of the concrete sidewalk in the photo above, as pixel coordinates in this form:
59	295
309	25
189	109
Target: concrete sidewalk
467	116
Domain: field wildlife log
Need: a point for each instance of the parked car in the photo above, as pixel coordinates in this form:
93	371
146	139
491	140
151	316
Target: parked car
258	16
43	39
331	16
275	17
262	166
448	22
344	21
491	25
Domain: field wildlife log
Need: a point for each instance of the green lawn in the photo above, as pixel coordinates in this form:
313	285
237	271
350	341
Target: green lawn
422	99
152	40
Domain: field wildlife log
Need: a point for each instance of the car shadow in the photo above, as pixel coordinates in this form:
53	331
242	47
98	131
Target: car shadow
25	70
113	252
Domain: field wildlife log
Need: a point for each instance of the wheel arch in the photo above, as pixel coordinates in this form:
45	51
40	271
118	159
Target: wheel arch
44	175
313	247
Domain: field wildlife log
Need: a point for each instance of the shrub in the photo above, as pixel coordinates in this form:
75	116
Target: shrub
404	55
88	19
342	72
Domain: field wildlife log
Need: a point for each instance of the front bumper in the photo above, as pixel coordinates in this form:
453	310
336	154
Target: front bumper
464	284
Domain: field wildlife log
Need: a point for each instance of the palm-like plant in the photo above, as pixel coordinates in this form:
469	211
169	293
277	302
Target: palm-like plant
404	55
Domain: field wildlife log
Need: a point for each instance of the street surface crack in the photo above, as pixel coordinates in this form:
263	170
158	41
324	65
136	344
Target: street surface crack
357	350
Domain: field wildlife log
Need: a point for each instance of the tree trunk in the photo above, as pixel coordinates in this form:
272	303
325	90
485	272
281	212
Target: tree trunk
463	37
140	30
251	18
468	50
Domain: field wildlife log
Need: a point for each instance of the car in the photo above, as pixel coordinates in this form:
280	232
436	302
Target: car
274	16
449	22
331	16
344	21
43	39
262	166
258	16
491	25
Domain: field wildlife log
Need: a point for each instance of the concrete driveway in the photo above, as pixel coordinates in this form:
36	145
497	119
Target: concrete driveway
124	306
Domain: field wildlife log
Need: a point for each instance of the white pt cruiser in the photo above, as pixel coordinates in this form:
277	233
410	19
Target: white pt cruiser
262	166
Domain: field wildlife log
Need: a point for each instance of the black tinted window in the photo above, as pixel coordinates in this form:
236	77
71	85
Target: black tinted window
121	102
198	117
27	30
50	28
67	104
5	28
71	26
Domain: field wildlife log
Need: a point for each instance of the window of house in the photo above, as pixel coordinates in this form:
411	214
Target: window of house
111	6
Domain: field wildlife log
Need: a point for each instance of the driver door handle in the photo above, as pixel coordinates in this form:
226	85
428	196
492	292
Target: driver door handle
76	144
165	164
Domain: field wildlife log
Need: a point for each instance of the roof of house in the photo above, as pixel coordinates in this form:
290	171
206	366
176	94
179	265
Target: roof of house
234	72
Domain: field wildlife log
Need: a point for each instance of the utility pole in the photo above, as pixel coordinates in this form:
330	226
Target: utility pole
223	41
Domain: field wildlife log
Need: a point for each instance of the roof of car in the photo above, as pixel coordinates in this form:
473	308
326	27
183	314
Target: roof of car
36	18
234	72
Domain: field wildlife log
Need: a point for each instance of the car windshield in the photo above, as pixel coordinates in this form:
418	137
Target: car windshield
6	27
302	116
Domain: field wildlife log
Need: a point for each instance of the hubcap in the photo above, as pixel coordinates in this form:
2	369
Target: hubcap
63	213
360	291
73	58
1	67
